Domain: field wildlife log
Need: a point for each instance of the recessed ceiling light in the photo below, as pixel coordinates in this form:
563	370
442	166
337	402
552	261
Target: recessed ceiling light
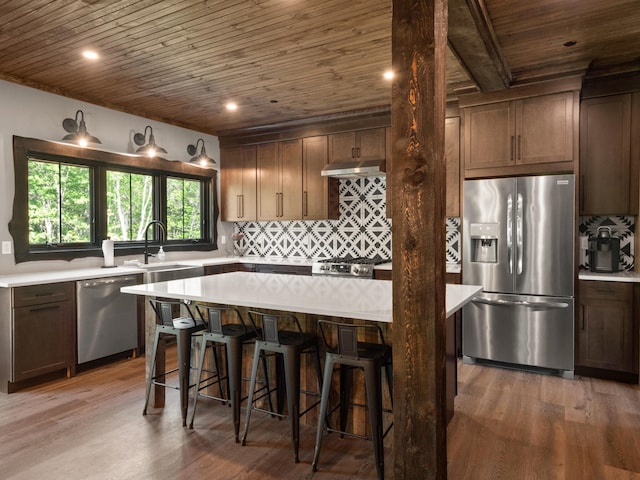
388	75
232	107
90	55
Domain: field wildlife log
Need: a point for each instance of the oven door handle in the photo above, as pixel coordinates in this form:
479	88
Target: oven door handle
518	303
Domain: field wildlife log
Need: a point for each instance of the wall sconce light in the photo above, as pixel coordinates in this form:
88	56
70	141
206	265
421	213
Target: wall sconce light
150	149
78	131
202	159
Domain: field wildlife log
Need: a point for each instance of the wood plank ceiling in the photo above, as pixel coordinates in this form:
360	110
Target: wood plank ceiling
181	61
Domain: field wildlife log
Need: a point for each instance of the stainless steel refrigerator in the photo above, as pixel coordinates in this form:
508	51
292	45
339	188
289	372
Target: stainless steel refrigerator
518	243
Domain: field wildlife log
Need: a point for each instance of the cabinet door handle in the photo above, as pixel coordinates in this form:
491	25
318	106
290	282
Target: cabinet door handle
241	206
513	142
519	147
44	307
305	209
353	152
358	152
238	206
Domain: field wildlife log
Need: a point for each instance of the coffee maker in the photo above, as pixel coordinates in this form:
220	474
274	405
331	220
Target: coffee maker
604	251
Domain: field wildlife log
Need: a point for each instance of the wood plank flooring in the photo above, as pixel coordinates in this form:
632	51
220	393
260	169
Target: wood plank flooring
507	425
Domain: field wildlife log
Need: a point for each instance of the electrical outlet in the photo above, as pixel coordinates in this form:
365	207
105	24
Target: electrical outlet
6	248
584	242
223	239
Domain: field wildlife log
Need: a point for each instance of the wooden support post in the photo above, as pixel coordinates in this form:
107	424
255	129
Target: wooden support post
419	39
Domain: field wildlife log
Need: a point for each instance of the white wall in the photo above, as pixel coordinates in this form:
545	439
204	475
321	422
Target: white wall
27	112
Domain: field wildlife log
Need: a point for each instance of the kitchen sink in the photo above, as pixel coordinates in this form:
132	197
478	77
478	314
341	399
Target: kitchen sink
170	271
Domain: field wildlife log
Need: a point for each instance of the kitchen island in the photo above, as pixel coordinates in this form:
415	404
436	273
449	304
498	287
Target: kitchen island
355	298
312	296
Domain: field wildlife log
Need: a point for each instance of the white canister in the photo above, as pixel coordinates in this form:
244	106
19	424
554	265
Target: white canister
107	251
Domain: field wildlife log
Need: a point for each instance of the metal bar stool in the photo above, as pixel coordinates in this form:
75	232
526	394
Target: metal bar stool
182	328
232	337
288	347
347	353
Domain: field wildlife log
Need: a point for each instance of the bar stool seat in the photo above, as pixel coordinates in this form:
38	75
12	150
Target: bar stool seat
232	337
344	352
183	328
288	344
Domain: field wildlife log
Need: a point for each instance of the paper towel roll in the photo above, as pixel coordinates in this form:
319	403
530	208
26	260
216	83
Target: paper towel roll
107	251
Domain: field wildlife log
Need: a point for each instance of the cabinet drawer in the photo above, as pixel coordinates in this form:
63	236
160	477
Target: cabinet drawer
611	291
39	294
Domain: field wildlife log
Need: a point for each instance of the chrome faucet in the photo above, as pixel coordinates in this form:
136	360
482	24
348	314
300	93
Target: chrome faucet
146	239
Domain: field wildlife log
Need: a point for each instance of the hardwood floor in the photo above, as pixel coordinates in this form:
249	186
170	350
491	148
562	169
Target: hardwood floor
507	425
516	425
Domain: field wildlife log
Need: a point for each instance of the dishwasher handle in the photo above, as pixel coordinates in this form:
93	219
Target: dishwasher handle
101	282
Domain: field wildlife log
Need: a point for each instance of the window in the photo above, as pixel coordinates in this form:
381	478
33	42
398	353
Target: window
69	199
129	205
183	207
59	203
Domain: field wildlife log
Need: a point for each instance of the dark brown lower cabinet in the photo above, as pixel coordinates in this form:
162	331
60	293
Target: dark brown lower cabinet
607	330
284	269
228	267
42	331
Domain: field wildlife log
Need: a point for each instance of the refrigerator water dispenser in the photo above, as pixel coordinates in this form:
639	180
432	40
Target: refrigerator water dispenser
484	242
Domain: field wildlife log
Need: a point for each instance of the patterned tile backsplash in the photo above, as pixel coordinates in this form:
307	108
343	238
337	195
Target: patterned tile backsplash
363	229
622	226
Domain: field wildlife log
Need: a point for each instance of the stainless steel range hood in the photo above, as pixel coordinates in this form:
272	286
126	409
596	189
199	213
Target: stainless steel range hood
355	169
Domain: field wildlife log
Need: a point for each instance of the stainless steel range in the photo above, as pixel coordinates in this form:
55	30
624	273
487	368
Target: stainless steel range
347	266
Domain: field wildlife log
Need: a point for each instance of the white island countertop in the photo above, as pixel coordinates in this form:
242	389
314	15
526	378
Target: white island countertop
363	299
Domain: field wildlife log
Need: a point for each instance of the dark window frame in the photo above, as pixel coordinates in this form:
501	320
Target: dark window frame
25	148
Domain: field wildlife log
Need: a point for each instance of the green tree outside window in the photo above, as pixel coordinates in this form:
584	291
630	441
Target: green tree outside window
184	209
129	205
59	203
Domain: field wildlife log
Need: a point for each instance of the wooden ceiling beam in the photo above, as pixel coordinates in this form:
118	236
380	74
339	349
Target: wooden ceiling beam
473	41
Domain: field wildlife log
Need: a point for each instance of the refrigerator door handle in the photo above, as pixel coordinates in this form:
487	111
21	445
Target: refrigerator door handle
510	232
519	303
519	222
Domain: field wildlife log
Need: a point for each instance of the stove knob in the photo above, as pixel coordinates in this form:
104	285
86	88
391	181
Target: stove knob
355	270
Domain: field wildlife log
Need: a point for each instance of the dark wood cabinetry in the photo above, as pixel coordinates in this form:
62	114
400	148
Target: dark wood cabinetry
524	130
259	268
284	269
607	330
42	330
357	145
452	156
238	184
608	164
320	196
228	267
279	180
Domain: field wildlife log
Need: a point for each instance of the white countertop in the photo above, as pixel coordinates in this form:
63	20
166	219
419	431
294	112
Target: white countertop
363	299
36	278
610	277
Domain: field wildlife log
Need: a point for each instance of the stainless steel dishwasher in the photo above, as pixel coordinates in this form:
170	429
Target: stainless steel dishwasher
107	319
